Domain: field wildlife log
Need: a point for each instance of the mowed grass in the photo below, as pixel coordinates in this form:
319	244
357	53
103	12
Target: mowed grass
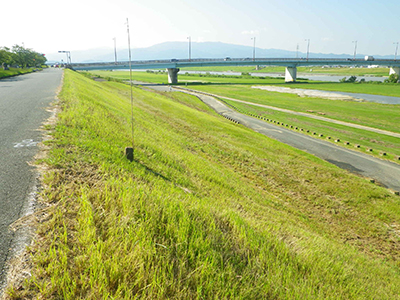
382	116
162	78
366	140
342	71
206	80
207	209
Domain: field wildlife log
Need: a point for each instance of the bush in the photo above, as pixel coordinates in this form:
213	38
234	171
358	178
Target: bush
351	79
393	78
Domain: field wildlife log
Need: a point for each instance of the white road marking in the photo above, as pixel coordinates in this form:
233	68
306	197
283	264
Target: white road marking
25	143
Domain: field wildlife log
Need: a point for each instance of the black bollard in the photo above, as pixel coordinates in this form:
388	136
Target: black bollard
129	153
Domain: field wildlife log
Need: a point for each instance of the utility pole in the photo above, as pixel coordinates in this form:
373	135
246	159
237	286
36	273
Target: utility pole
254	48
395	52
115	49
355	50
190	48
308	47
297	51
68	53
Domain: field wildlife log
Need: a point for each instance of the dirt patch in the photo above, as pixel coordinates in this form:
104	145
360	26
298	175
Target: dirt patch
308	93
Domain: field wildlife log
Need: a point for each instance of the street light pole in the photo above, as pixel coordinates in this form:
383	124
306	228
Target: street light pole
190	48
308	47
68	53
355	50
254	48
395	52
115	49
297	51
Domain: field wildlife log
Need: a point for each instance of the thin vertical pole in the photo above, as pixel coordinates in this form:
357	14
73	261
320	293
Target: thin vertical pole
115	49
308	47
355	50
254	48
130	77
190	48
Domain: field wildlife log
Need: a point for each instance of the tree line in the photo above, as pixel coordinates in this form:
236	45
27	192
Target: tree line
19	56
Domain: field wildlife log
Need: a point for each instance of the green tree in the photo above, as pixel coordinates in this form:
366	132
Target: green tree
21	56
6	57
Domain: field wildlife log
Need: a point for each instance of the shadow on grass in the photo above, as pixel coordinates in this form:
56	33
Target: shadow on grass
151	171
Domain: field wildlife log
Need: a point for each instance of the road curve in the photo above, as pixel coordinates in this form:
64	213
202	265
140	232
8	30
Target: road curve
309	115
384	172
23	103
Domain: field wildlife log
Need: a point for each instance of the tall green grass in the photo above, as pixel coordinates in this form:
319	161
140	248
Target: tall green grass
207	209
14	71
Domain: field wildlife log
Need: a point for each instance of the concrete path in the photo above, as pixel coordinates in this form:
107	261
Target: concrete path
23	103
384	172
367	128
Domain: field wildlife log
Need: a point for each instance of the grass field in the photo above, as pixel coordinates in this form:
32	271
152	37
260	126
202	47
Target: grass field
161	77
382	116
343	71
207	209
366	140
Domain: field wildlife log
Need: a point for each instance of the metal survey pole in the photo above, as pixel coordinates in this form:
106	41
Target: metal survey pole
130	151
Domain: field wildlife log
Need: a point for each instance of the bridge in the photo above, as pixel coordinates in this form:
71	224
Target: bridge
173	65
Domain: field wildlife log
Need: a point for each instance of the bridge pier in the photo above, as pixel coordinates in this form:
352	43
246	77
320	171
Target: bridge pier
394	70
290	74
173	75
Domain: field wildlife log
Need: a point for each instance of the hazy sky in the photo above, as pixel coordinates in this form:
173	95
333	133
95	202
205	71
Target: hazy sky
331	25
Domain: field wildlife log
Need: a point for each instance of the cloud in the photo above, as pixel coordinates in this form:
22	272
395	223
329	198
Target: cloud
250	32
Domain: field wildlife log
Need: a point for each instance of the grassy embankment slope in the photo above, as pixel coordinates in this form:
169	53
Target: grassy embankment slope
207	210
14	71
381	116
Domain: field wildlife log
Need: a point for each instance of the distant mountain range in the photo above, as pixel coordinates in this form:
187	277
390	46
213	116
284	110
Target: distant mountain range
179	50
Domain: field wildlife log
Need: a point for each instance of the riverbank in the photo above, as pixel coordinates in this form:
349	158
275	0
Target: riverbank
206	209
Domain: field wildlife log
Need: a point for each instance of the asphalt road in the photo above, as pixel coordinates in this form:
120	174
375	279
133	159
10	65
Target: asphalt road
23	103
383	172
308	115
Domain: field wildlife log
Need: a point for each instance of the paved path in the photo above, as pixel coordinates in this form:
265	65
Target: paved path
380	131
384	172
23	102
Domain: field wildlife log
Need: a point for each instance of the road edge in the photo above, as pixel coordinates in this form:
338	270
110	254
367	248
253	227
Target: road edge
19	263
